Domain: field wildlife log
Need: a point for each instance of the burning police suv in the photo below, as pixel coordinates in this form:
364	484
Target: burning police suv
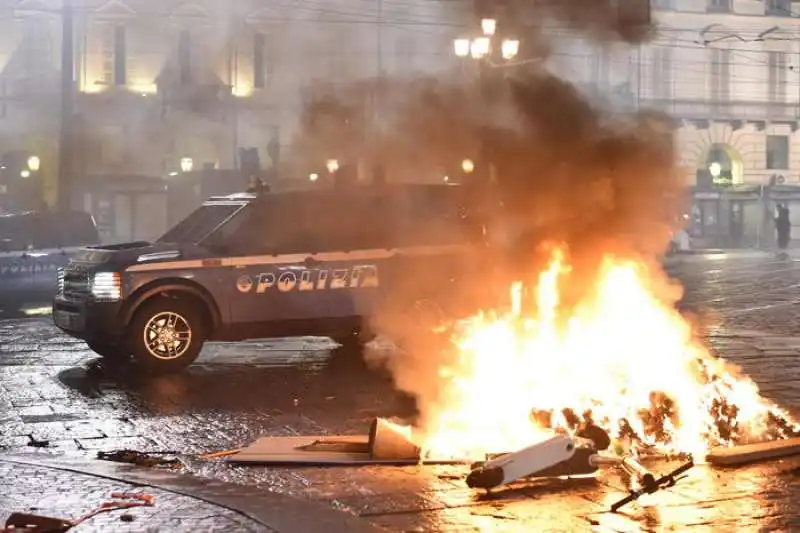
321	262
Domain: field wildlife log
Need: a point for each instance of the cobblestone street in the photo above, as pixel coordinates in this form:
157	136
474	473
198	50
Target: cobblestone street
52	403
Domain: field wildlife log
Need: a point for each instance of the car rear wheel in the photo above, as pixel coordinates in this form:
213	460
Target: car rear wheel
166	335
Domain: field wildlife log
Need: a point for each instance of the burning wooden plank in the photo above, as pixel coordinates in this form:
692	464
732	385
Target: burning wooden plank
751	453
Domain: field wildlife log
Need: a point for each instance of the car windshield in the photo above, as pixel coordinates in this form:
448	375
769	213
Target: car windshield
198	225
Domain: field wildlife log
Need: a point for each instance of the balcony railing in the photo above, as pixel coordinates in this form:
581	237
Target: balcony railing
730	110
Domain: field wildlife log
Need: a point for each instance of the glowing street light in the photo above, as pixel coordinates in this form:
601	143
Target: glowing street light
461	47
313	176
510	48
34	163
25	173
467	166
489	26
480	47
332	165
715	169
187	164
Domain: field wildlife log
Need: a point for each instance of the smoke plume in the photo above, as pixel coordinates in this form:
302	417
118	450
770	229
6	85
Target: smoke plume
571	169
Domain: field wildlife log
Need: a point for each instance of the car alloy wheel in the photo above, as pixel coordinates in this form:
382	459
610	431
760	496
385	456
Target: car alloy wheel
167	335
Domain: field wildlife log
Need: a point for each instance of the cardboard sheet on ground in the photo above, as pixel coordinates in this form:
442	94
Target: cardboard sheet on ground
751	453
386	444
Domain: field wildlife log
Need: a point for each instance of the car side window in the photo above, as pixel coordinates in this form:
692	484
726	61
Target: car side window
274	225
428	220
345	222
45	231
13	237
77	229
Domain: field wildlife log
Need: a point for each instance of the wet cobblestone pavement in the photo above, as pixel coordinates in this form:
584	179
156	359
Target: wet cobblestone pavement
67	495
49	395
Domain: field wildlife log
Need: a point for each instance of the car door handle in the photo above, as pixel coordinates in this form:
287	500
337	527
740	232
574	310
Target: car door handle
311	262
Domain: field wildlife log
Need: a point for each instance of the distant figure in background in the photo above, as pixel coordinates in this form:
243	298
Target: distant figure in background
783	226
256	186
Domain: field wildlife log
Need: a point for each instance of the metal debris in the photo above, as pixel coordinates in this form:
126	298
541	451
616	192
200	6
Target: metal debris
26	522
148	459
649	483
561	455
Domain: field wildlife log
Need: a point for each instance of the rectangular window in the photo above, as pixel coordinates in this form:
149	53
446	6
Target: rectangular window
600	68
776	76
662	73
36	46
720	75
185	56
663	4
120	57
259	71
778	152
719	6
778	8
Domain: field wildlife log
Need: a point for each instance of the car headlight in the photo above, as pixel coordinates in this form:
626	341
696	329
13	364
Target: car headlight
60	281
107	286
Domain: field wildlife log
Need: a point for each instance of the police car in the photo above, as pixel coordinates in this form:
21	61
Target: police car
33	245
320	262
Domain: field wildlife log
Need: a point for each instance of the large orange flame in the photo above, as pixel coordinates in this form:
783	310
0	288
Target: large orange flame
620	358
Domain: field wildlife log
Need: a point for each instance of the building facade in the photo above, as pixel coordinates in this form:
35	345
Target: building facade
728	72
172	84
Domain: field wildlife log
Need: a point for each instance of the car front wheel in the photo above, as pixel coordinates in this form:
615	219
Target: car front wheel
166	335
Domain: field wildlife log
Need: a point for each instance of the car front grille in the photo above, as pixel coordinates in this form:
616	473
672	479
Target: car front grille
76	282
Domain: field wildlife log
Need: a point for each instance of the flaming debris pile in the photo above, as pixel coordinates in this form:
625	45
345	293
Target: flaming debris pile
618	358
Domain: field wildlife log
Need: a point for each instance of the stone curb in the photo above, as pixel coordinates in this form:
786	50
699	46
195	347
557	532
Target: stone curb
278	512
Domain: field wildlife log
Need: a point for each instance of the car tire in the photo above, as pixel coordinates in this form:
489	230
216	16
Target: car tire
166	335
112	352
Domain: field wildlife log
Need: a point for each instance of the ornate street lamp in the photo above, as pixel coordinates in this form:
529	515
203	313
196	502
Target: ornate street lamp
34	163
488	26
509	48
187	164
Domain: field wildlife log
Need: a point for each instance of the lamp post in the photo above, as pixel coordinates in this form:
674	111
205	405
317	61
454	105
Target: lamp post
187	164
482	49
332	165
34	163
